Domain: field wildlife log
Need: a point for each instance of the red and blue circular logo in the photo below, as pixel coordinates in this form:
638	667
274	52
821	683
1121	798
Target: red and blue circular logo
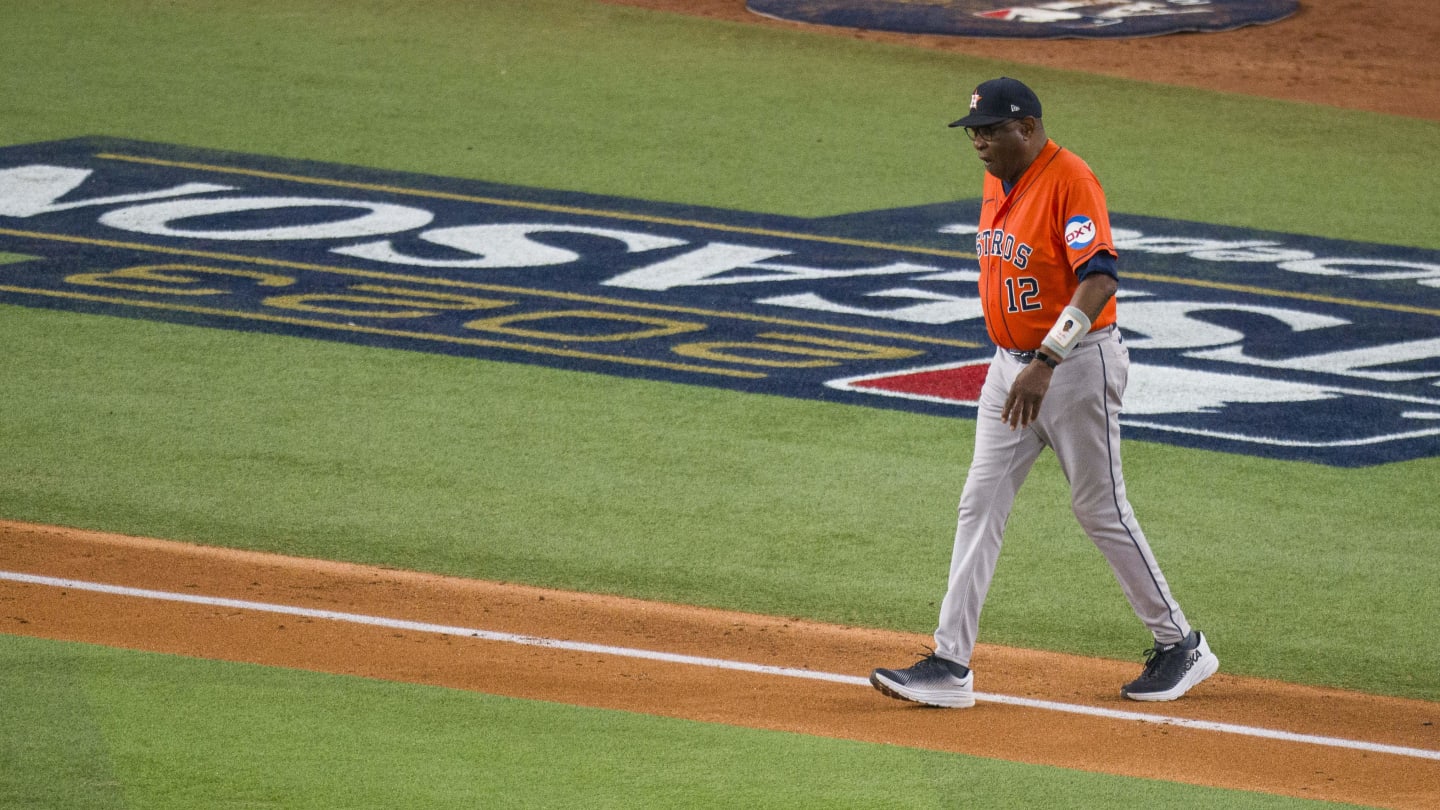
1079	231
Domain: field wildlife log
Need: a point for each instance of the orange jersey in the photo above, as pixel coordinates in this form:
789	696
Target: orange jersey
1032	240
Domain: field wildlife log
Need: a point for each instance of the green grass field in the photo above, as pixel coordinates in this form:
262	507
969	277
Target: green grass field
498	471
246	736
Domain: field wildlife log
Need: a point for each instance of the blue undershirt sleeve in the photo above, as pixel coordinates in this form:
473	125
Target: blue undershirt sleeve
1099	263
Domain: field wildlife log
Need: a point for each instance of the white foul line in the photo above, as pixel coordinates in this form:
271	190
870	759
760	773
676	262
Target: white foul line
713	663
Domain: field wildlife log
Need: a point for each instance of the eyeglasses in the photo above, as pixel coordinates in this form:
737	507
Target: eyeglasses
988	133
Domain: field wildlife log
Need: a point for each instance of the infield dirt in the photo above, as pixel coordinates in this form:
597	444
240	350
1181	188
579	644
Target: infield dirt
751	699
1375	55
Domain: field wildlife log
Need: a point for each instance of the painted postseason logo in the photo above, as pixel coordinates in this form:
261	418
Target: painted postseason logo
1045	19
1269	344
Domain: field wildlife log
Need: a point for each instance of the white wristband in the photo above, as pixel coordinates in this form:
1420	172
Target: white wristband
1069	328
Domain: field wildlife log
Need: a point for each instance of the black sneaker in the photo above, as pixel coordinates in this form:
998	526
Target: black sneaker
933	681
1171	671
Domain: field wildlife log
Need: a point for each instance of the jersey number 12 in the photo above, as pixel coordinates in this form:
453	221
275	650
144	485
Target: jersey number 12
1022	294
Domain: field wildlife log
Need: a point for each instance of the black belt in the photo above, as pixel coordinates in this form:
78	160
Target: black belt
1025	357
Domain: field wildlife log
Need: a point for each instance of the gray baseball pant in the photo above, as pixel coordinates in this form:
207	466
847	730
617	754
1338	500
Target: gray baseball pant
1079	420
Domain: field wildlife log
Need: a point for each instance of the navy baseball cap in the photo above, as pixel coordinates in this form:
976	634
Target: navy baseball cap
997	100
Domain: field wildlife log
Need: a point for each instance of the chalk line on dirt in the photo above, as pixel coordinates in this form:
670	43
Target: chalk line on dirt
713	663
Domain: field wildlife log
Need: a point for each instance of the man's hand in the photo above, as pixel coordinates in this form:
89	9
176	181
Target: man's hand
1022	406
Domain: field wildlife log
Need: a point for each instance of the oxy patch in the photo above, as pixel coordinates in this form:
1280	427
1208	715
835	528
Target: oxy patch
1079	232
1269	344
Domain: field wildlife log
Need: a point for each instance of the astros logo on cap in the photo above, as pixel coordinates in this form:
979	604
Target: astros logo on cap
974	100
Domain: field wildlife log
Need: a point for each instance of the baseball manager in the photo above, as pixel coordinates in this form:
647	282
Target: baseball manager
1047	284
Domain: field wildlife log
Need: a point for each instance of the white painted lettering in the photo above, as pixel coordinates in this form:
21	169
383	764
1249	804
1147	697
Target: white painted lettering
373	219
942	309
503	246
1156	390
1390	270
1172	325
27	191
1133	240
1358	363
714	263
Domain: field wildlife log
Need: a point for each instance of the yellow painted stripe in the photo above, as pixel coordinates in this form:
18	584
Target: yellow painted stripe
397	333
